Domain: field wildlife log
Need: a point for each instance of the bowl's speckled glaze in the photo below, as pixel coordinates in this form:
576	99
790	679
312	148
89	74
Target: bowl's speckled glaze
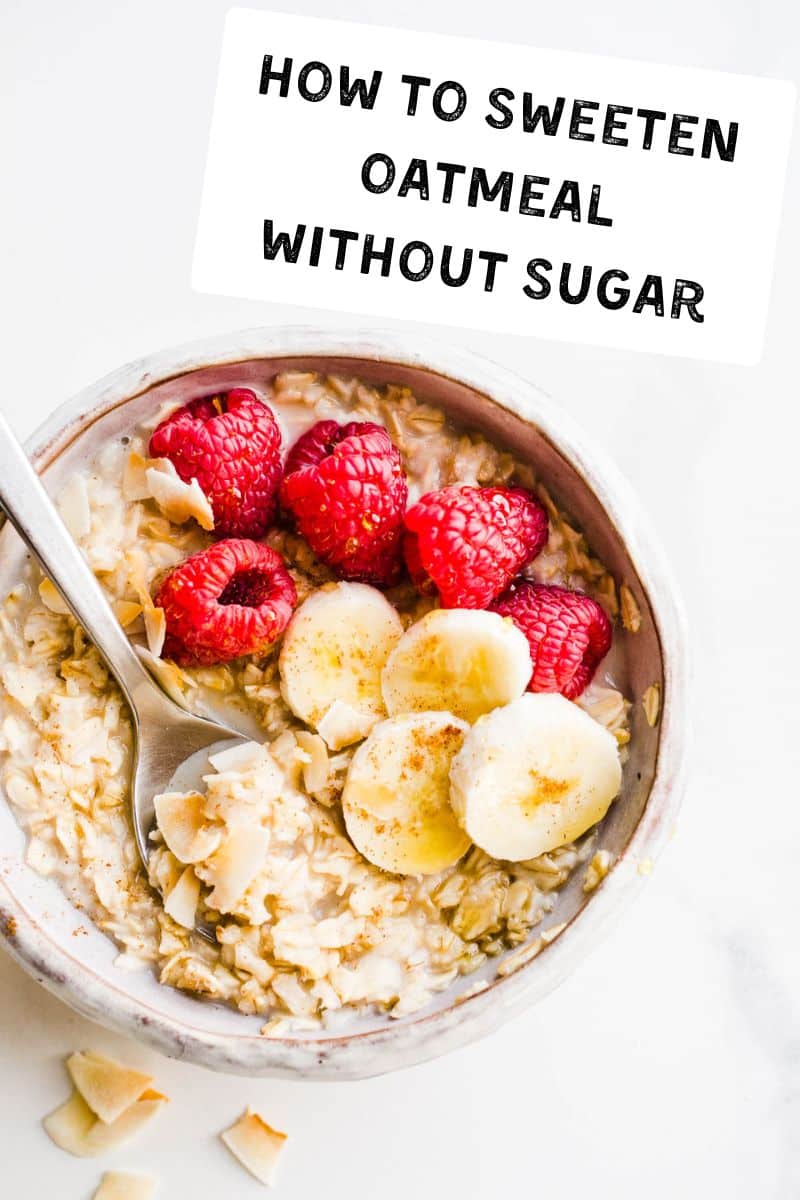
75	961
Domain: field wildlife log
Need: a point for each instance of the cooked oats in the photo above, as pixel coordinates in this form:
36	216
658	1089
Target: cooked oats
305	925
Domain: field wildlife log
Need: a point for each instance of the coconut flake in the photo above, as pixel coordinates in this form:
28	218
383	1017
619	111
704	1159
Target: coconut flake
316	770
235	865
134	478
108	1087
75	1128
171	678
73	505
127	612
125	1185
70	1124
155	626
179	501
181	818
342	725
256	1145
104	1137
239	757
51	598
181	902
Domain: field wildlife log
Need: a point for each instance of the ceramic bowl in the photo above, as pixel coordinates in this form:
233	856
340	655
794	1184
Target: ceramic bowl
38	925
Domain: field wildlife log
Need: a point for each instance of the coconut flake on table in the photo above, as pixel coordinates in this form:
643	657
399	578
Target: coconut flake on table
256	1145
108	1087
76	1129
125	1185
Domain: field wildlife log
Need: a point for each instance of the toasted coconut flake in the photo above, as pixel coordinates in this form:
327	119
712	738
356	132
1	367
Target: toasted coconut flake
181	903
256	1145
134	479
179	501
651	703
73	505
125	1185
51	598
181	818
342	725
75	1128
106	1137
235	865
108	1087
240	757
316	772
155	626
127	612
70	1124
173	680
631	616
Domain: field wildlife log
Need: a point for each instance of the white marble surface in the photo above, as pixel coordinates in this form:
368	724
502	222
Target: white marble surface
670	1063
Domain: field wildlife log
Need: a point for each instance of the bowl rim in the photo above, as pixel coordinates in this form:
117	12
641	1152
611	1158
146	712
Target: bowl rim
373	1052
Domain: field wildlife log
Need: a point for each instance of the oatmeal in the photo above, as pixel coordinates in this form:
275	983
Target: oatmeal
288	849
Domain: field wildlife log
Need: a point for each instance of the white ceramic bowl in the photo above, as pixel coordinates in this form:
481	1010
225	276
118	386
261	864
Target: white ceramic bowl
38	925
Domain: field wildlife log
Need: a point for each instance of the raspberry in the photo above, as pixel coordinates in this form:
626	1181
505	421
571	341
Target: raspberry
568	633
234	598
231	445
347	490
469	542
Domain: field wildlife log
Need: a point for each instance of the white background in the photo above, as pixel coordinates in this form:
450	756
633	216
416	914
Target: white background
669	1065
674	216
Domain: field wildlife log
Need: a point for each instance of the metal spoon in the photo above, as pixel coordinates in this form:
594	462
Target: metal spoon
165	735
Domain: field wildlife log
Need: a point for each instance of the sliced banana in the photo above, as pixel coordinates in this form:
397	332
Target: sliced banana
458	660
335	649
396	797
533	776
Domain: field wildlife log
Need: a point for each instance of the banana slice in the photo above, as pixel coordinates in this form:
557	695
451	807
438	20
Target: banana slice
396	797
458	660
533	776
334	650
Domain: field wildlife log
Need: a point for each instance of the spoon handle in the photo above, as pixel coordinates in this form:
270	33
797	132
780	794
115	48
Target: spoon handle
33	514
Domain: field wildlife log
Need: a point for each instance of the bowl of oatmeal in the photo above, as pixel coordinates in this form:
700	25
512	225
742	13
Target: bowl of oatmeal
440	620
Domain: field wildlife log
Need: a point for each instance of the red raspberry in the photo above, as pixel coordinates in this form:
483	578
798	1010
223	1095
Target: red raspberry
231	445
347	490
568	632
234	598
469	542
